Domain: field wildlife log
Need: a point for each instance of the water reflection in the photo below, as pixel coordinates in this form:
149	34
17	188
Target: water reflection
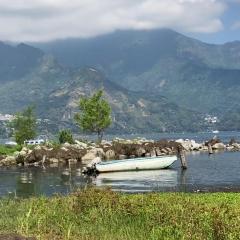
25	186
140	181
217	172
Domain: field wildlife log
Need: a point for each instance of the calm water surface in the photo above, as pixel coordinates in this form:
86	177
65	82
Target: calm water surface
219	172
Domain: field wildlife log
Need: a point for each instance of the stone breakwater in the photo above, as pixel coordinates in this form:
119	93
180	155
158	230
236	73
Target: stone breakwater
118	149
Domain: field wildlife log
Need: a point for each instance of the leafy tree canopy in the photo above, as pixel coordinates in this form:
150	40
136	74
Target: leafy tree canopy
95	115
24	125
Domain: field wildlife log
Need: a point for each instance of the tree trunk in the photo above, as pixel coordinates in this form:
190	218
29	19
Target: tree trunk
100	136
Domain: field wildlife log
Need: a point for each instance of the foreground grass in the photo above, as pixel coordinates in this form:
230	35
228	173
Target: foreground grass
102	214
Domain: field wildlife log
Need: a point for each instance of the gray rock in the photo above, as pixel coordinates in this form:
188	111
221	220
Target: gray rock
53	160
8	161
122	157
153	153
218	146
110	155
64	149
66	145
236	146
92	154
164	151
158	151
140	152
72	161
81	144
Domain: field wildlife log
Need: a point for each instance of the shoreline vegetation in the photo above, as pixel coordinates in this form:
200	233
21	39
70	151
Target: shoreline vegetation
103	214
118	149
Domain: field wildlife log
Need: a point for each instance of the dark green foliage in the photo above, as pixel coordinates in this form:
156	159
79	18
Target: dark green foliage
65	136
95	115
24	125
9	150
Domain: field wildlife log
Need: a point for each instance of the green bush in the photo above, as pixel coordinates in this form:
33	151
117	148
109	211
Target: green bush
4	150
65	136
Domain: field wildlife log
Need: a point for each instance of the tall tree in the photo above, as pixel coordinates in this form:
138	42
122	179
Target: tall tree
95	114
24	125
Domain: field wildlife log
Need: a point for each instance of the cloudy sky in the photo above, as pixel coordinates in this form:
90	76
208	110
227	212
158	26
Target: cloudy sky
44	20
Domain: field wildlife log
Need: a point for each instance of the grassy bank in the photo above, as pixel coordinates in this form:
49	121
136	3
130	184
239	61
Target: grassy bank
4	150
96	214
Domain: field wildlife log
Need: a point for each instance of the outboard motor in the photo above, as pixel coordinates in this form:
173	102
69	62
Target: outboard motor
90	169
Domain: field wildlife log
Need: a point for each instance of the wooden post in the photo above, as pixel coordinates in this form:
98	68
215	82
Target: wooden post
210	151
182	156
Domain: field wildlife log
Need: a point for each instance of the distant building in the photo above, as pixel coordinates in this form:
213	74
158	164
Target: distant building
6	117
211	119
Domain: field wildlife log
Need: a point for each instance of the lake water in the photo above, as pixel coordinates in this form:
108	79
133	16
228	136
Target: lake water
218	172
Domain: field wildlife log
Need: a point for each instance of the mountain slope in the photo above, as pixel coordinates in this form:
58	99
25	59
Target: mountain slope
132	111
16	61
200	76
55	91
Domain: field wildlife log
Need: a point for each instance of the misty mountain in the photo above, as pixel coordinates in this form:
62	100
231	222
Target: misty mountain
56	89
16	61
196	75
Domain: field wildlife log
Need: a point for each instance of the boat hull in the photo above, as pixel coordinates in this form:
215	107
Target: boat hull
150	163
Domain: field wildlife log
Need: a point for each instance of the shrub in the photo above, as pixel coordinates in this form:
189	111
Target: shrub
65	136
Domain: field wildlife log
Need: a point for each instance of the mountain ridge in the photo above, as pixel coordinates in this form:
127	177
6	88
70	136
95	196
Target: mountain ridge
163	62
56	89
161	67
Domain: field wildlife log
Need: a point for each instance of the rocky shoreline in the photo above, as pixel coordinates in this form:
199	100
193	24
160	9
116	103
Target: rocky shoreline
109	150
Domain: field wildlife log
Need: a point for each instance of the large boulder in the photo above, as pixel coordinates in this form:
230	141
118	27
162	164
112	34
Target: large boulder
158	151
37	155
81	144
218	146
236	146
213	141
195	146
21	156
189	145
140	152
186	144
153	152
92	154
110	154
8	161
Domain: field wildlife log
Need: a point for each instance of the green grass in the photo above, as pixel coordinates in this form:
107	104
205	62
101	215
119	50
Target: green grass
102	214
9	150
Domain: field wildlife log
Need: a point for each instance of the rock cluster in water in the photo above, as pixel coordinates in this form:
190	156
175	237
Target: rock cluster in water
109	150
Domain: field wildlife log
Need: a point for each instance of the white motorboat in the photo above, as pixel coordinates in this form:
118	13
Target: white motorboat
147	163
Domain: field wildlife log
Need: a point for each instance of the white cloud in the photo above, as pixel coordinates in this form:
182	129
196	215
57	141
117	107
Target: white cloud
44	20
